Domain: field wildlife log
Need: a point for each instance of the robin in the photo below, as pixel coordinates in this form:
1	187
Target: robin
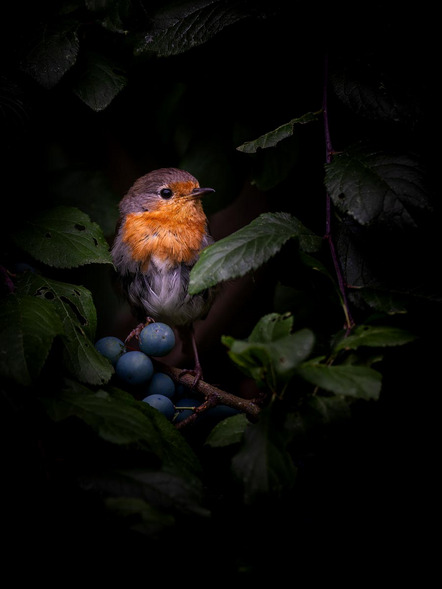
160	233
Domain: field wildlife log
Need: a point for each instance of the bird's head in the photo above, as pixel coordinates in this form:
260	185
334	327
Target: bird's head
165	190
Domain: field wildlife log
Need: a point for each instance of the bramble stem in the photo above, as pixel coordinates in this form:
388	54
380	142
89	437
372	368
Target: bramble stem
349	323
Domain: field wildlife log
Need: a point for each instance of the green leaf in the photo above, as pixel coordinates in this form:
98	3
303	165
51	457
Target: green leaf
120	419
165	490
150	520
52	55
248	248
288	352
63	237
99	82
348	380
272	138
375	336
228	431
269	356
263	464
328	410
271	327
28	328
377	187
317	412
74	306
253	359
179	27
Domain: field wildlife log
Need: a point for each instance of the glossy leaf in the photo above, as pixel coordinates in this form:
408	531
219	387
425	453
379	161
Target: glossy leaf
248	248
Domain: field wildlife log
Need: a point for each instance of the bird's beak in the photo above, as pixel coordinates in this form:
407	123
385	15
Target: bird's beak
201	191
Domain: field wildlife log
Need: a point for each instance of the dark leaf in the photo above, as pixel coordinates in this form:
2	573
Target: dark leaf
53	54
351	381
270	167
120	419
263	464
164	490
373	94
150	520
179	27
74	306
271	353
228	431
63	237
272	138
374	336
376	187
28	328
99	82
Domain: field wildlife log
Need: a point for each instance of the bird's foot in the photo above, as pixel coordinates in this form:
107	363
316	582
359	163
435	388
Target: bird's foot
196	372
135	333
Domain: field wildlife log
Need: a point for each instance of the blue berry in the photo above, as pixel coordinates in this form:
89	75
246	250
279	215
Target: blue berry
162	403
161	384
134	367
156	339
110	347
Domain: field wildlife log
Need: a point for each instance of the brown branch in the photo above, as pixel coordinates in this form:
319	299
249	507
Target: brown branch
212	395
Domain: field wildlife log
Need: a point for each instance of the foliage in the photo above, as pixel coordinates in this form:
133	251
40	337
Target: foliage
346	248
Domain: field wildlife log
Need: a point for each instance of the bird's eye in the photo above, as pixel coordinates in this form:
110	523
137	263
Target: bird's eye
166	193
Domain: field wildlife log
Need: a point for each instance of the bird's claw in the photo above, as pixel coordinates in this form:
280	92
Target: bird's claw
196	372
135	333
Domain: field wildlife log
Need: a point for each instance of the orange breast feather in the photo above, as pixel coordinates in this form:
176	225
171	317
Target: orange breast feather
169	233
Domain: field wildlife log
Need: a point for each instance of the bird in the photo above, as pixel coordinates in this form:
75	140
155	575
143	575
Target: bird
161	230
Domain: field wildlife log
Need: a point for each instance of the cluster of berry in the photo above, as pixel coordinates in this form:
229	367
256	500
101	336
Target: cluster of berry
135	368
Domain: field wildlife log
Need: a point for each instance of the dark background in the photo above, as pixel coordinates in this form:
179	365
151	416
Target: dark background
192	110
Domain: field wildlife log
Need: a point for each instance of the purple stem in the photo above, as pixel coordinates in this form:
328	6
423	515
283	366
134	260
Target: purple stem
7	279
328	231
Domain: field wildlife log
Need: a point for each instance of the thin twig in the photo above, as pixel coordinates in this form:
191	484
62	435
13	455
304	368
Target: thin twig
349	323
